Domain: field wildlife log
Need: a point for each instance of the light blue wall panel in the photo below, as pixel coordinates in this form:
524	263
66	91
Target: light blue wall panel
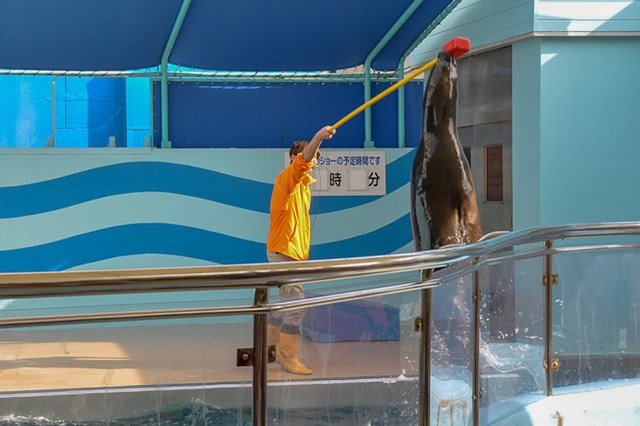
587	16
482	21
138	104
125	208
526	133
25	111
87	111
589	122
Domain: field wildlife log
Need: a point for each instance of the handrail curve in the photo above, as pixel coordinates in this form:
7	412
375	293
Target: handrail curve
268	275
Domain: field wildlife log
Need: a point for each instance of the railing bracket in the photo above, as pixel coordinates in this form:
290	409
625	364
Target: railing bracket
244	356
417	325
554	280
555	364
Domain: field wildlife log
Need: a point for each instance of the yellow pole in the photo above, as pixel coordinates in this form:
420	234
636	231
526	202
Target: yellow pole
384	93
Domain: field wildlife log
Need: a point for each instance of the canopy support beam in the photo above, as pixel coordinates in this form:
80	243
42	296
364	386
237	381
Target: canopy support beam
425	33
164	65
401	111
368	142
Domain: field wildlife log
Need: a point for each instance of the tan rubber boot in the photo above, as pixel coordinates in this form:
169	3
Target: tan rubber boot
288	354
273	335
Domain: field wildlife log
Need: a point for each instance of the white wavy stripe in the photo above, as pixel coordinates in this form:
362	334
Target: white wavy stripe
359	220
407	248
165	261
143	261
127	209
152	207
28	167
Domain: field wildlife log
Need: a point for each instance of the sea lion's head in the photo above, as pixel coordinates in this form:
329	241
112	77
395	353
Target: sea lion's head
442	84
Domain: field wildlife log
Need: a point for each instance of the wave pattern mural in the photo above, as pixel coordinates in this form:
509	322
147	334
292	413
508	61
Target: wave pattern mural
87	215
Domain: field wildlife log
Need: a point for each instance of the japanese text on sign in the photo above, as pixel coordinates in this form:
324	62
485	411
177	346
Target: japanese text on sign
349	173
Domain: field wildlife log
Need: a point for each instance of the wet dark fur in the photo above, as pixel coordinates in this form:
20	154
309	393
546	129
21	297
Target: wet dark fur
444	209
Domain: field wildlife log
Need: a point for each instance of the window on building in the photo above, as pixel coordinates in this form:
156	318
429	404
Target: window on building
493	189
467	154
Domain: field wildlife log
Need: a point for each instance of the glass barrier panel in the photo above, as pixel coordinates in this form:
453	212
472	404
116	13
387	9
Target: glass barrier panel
363	355
511	338
596	318
126	373
452	349
66	305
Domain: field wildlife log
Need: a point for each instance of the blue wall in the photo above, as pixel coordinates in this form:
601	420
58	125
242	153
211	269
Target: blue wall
25	111
589	127
575	118
484	22
138	106
526	134
133	208
87	111
580	16
274	115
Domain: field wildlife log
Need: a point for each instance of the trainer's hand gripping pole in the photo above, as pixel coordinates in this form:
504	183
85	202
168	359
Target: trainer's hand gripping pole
457	47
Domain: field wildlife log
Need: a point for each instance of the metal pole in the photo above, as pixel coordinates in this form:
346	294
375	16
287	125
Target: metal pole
260	362
368	143
395	86
548	277
164	86
401	111
476	348
424	407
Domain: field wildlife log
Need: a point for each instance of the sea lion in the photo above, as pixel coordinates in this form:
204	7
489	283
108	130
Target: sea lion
444	209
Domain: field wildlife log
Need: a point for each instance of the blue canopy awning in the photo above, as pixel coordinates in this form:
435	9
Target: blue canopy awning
238	35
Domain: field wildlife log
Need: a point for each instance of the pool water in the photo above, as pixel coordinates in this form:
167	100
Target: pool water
198	413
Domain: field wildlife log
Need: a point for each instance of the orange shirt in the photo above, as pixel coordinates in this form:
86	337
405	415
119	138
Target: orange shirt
290	229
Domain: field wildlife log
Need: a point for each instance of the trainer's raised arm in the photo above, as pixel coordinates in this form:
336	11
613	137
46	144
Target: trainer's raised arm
311	149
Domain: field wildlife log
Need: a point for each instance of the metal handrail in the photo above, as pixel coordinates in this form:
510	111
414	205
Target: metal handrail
269	275
395	288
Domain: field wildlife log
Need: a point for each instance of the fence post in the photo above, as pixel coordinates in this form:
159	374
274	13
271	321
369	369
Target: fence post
547	282
261	298
424	326
476	347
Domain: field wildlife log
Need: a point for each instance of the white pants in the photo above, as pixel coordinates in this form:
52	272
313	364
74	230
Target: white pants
289	322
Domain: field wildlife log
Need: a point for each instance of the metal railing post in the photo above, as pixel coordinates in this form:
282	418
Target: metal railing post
548	284
424	407
261	298
476	347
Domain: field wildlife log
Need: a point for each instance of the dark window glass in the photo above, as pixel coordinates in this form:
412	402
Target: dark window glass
467	153
493	174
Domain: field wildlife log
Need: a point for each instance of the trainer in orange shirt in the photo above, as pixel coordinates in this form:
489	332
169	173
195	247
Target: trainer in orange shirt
289	239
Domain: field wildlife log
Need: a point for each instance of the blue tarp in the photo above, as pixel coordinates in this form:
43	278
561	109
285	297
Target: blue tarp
238	35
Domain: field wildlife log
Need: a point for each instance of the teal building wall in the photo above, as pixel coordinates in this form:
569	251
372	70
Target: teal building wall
575	102
589	127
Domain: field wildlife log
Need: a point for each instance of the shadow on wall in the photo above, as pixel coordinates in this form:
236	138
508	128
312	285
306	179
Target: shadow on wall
87	111
106	118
